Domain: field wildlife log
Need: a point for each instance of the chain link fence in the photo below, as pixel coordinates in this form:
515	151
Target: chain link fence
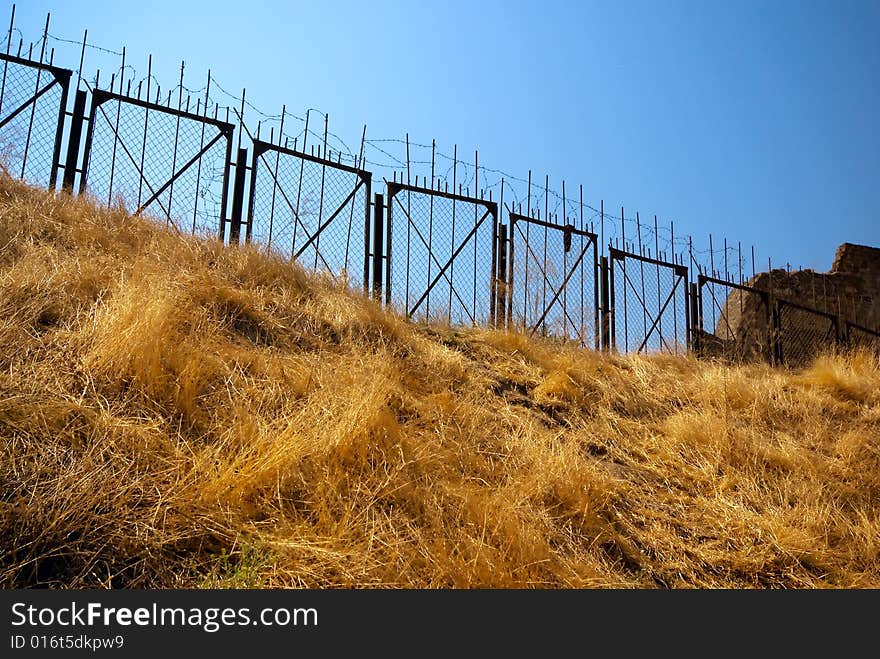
311	209
735	322
164	162
442	255
553	281
650	305
33	98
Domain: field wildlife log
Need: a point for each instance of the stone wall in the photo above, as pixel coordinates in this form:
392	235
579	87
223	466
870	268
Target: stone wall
850	290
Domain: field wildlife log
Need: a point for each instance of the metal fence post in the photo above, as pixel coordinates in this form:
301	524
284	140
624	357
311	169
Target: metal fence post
501	278
696	317
378	246
605	285
367	195
237	196
776	333
76	126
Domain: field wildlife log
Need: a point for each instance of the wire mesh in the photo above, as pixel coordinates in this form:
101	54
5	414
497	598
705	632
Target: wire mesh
311	211
736	322
441	256
554	281
804	334
650	305
27	140
136	150
862	338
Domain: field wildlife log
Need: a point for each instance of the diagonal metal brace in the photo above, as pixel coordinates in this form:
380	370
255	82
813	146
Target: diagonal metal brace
442	272
330	219
660	315
431	255
179	173
32	99
558	292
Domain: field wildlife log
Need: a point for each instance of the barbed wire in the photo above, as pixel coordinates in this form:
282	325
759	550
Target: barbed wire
373	152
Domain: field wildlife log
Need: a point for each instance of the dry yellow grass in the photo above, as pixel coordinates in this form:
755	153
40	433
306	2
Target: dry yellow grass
178	414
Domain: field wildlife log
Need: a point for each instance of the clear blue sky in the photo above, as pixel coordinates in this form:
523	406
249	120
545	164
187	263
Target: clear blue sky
758	121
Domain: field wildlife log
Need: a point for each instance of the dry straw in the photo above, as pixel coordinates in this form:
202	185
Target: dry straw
174	413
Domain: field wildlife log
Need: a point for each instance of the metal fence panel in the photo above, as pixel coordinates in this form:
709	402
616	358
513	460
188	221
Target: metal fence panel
552	281
312	209
650	304
162	161
441	255
735	321
804	333
862	338
33	99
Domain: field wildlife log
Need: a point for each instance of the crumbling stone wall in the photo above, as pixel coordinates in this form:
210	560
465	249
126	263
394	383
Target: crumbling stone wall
851	290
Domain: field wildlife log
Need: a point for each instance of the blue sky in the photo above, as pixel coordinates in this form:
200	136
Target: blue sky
755	121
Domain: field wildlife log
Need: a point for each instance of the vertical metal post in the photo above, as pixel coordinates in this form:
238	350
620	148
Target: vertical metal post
59	131
700	315
493	285
696	322
378	247
501	315
508	283
776	333
368	183
611	302
687	315
76	125
238	196
606	303
386	257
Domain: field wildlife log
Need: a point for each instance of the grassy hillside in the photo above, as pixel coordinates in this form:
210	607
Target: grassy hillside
174	413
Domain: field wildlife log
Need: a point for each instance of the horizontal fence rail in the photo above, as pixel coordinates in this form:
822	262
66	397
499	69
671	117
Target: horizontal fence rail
442	255
650	306
33	100
734	321
311	209
433	251
552	280
163	161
